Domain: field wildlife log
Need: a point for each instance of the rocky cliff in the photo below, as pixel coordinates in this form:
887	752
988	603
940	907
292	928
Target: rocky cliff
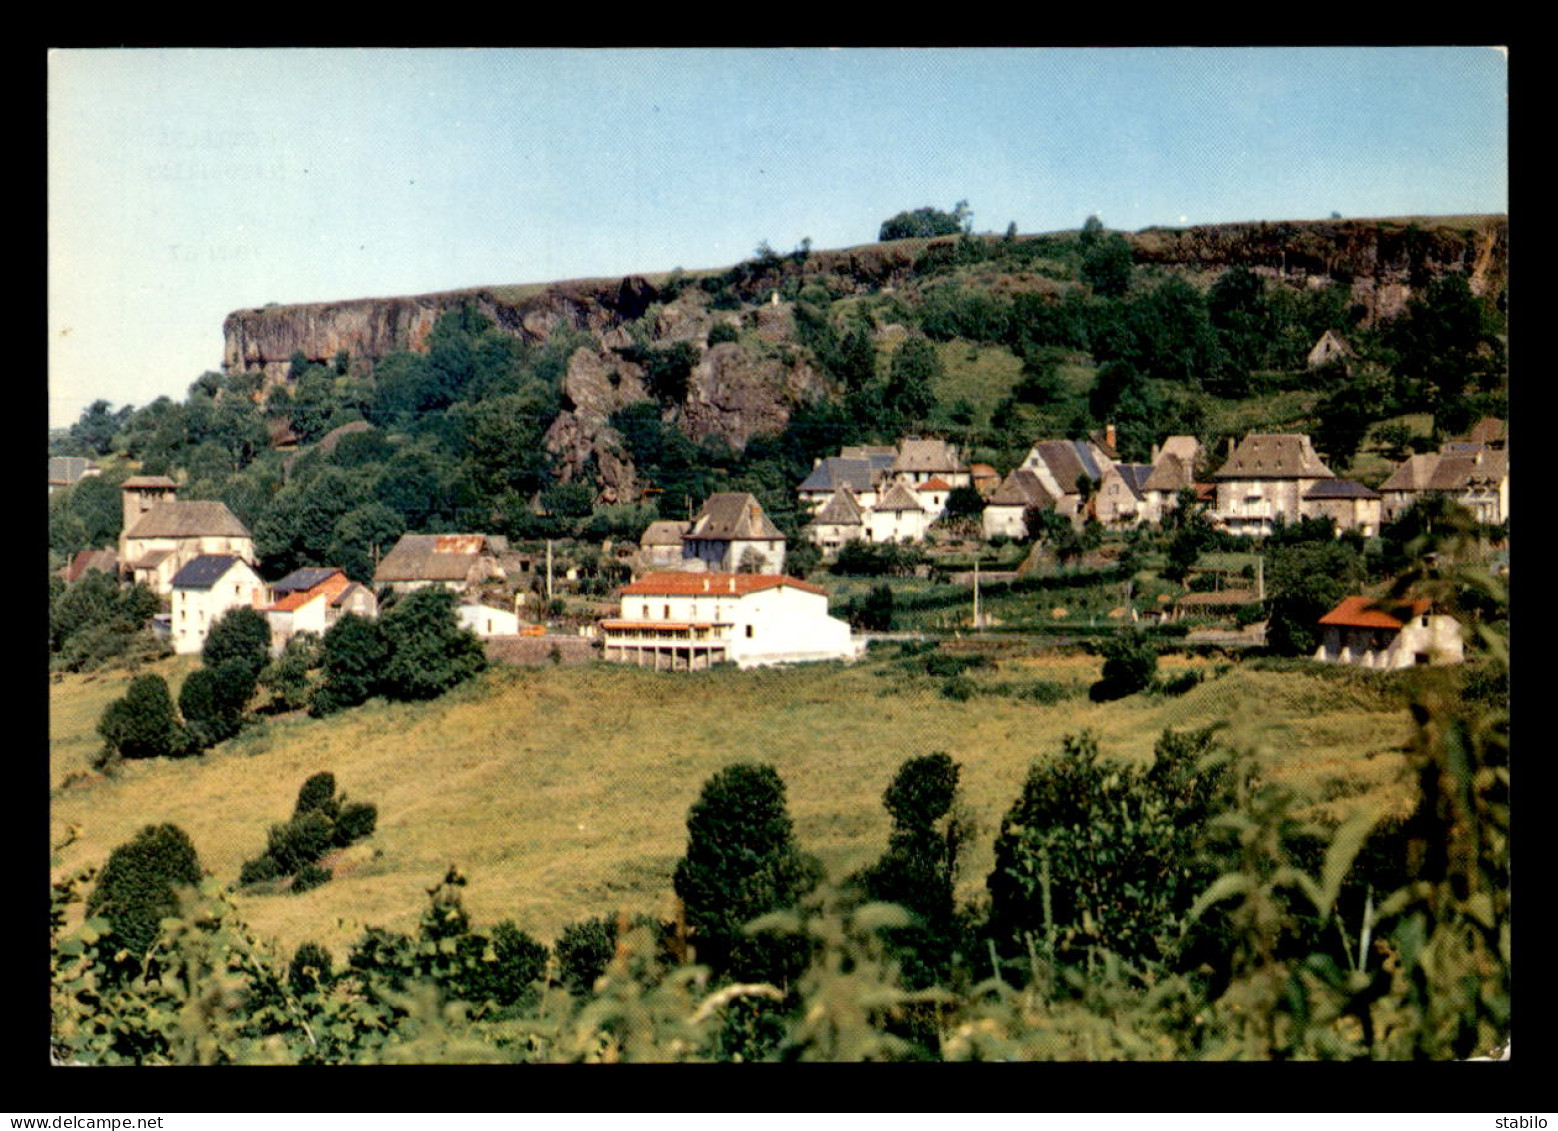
736	393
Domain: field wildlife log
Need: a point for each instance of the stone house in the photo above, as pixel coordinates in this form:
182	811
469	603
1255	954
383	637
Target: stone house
1265	478
1350	505
731	531
454	561
67	471
1061	464
863	474
1386	634
1478	479
660	547
840	521
898	516
688	621
1330	349
921	460
161	533
1004	511
1121	499
205	588
313	599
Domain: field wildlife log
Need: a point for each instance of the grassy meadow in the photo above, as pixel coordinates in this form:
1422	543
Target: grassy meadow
562	792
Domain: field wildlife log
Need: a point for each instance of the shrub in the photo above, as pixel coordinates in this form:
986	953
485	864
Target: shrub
310	969
583	952
143	724
138	888
308	877
260	870
300	841
357	820
1130	663
318	793
723	331
241	634
213	699
429	650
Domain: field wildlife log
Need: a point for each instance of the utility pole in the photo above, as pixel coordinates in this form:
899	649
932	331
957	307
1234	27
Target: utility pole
549	574
977	625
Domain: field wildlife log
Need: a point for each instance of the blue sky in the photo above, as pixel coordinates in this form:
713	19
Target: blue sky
185	184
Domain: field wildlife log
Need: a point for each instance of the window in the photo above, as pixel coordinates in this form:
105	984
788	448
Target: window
667	612
646	610
749	632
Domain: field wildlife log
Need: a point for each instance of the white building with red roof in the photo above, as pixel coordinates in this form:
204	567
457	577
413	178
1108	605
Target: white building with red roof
313	599
690	621
1389	634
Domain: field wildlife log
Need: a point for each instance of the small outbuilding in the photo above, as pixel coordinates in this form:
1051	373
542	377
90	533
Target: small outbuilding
1388	634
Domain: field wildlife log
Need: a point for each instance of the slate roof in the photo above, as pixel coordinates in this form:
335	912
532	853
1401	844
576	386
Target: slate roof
842	509
204	571
1438	471
731	516
306	578
1021	488
1340	489
836	471
900	498
69	469
1066	460
926	456
188	519
1274	455
698	584
1170	473
432	557
1135	476
664	532
1370	612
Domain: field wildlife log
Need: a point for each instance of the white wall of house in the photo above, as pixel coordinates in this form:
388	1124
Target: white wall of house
780	624
196	610
484	620
896	525
1004	520
1427	639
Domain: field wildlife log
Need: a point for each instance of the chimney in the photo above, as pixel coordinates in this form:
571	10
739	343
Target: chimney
1109	436
732	584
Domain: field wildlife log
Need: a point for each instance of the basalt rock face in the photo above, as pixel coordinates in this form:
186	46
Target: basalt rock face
1384	261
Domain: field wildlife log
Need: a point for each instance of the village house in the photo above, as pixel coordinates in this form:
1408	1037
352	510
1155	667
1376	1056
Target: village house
921	460
1350	505
205	588
311	600
455	561
1475	475
1121	498
731	534
1062	464
105	561
660	547
486	621
1330	349
840	521
67	471
689	621
898	516
862	475
161	534
1386	634
1005	510
1265	478
1173	470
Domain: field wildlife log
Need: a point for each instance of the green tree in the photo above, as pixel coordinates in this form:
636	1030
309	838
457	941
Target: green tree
912	375
138	888
352	656
213	701
1130	665
1304	581
742	862
922	223
429	650
919	869
241	635
143	724
1107	265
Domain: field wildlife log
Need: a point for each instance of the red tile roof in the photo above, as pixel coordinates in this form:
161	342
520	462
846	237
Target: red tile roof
1375	612
697	584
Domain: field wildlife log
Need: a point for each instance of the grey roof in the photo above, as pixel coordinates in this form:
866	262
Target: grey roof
1068	459
139	481
204	571
836	471
188	519
1170	473
664	532
1021	488
841	510
432	557
900	498
1135	476
732	515
68	469
301	580
1274	455
1340	489
927	456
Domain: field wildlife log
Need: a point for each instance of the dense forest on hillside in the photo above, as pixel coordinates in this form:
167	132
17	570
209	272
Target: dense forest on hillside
992	342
